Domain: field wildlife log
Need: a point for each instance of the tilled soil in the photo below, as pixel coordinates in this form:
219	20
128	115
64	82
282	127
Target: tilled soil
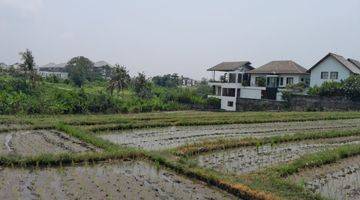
35	142
163	138
340	180
249	159
120	180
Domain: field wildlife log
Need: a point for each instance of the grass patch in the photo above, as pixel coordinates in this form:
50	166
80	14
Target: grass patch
164	119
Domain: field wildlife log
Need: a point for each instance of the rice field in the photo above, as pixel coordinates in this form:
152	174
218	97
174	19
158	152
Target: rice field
181	155
118	180
253	158
170	137
36	142
340	180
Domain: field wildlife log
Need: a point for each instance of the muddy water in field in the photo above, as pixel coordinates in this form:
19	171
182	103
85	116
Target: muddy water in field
121	180
340	180
162	138
36	142
249	159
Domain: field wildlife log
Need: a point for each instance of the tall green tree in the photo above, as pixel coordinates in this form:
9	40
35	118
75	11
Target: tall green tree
80	69
142	86
120	79
28	66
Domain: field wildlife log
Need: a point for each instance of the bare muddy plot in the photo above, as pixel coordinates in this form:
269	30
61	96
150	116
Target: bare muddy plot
35	142
122	180
340	180
163	138
249	159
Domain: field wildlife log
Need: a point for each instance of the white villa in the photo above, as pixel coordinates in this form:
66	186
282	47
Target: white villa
240	80
333	67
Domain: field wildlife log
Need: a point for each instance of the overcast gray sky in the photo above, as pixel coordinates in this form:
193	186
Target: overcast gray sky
183	36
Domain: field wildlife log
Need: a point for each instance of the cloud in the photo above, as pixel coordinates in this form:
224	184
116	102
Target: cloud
25	7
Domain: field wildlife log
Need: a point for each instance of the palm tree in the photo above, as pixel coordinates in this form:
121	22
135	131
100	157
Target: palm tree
120	79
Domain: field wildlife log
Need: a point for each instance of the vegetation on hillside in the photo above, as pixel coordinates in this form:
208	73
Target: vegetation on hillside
23	91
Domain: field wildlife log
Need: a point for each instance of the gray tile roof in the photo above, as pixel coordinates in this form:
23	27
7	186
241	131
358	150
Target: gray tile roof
355	62
280	67
350	64
231	66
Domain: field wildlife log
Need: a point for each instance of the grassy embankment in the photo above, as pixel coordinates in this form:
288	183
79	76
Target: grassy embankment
99	123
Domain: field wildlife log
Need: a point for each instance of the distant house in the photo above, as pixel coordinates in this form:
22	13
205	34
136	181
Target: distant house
333	67
103	68
241	81
57	71
188	82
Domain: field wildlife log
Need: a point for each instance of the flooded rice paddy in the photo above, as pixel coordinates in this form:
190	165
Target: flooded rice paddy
120	180
35	142
163	138
340	180
249	159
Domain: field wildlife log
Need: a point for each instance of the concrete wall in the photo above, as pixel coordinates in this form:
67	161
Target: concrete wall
298	103
224	103
330	64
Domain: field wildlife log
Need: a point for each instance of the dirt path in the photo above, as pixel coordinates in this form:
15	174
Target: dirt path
40	141
249	159
163	138
121	180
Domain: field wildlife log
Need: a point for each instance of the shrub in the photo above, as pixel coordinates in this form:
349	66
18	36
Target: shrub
351	87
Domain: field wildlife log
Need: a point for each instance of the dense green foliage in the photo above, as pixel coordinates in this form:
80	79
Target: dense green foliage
349	88
80	69
168	80
53	96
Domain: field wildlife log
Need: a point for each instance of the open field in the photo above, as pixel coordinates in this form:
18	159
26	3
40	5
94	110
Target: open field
35	142
119	180
338	180
170	137
181	155
249	159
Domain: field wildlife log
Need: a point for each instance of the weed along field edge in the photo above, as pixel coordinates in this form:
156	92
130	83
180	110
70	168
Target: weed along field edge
181	155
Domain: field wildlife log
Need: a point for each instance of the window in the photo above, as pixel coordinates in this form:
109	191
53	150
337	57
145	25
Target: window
239	78
260	81
281	81
334	75
289	80
230	103
324	75
232	78
228	92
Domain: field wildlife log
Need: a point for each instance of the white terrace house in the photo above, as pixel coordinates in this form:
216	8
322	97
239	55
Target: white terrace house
333	67
240	80
228	84
59	72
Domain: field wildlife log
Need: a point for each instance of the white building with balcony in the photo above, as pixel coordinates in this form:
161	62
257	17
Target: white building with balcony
240	80
228	83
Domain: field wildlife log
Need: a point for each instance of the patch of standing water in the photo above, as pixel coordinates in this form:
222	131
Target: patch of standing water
249	159
163	138
7	142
